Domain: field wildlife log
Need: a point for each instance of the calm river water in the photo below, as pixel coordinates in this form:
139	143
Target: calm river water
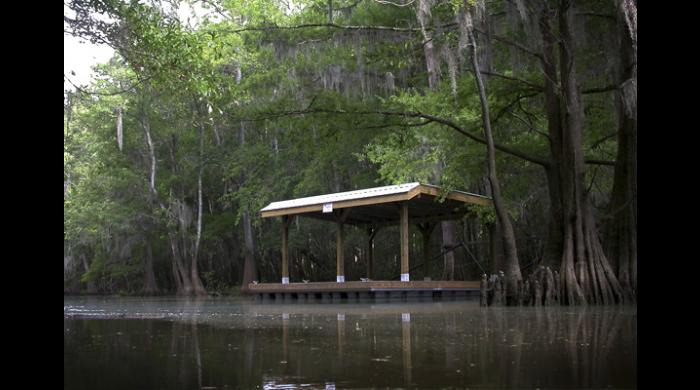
224	343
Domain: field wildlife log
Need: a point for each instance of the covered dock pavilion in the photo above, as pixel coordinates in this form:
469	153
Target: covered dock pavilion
424	205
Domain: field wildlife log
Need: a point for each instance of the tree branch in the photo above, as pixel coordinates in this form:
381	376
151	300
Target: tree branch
512	43
531	127
82	90
607	88
333	26
395	4
529	84
603	139
599	162
326	25
443	121
597	15
511	104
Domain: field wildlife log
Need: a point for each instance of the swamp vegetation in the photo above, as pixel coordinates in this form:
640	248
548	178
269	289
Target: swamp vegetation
197	123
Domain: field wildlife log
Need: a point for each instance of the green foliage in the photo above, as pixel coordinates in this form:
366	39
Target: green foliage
485	214
284	113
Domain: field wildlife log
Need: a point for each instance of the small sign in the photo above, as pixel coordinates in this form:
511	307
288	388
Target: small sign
404	277
406	317
328	207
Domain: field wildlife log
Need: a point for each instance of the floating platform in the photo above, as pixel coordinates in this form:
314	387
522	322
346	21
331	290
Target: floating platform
371	290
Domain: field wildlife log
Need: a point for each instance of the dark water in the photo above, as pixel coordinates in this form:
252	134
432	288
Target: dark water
136	343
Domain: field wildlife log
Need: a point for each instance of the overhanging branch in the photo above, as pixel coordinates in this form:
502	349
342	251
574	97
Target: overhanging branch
324	25
333	26
443	121
512	43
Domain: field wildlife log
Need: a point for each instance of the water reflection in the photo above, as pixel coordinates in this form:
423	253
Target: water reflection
236	344
406	347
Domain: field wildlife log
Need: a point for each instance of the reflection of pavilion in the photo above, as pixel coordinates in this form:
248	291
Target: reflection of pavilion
372	209
406	347
340	342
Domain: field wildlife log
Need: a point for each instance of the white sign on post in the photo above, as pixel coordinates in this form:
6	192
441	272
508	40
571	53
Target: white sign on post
328	207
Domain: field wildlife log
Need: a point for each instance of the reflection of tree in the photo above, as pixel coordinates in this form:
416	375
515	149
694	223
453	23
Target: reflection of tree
591	335
197	353
520	346
180	346
494	347
516	337
249	349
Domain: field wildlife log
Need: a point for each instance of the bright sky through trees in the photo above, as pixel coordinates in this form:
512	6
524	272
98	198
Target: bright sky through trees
79	56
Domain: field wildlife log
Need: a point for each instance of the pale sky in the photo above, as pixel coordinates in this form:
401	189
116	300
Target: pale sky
80	55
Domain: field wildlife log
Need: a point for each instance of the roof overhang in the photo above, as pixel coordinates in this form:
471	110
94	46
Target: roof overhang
381	205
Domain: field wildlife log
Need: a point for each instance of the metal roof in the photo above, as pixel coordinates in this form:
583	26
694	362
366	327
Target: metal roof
373	204
342	196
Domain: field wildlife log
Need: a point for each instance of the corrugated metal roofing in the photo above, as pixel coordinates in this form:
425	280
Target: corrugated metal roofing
342	196
355	195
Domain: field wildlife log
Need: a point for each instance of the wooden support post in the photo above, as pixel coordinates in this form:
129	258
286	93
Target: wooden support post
339	254
404	242
339	246
285	249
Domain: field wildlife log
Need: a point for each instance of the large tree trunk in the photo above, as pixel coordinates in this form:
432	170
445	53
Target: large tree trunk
432	65
512	266
249	267
423	14
622	233
150	286
448	243
585	275
179	287
181	277
180	274
496	257
91	286
555	233
197	284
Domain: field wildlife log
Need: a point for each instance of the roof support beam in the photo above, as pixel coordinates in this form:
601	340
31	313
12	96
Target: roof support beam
285	248
404	242
340	217
339	253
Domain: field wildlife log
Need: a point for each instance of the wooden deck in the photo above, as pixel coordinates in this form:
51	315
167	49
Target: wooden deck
365	290
375	285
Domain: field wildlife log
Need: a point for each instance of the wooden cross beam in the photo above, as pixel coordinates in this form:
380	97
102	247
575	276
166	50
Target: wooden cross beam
404	242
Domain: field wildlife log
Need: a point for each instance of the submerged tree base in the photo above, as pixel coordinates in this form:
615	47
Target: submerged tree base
543	287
